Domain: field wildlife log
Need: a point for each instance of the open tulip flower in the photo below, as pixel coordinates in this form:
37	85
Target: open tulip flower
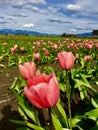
28	69
42	90
65	60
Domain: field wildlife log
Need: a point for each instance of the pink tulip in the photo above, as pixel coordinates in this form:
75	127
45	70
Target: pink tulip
4	44
97	45
27	70
54	46
36	56
22	48
87	57
12	50
89	46
46	53
66	60
44	90
15	46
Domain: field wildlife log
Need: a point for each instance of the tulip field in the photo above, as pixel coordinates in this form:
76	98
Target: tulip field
48	83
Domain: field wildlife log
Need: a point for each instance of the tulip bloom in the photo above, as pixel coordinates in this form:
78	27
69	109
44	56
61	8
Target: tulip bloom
66	60
36	56
27	70
4	44
87	57
12	50
43	90
22	48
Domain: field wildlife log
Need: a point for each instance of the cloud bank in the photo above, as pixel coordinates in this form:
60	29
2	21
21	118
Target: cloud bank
48	16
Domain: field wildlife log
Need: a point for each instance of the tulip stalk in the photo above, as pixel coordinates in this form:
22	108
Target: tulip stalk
68	97
50	120
41	117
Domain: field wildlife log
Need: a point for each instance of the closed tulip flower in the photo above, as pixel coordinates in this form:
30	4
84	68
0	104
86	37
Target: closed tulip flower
43	90
87	57
27	70
66	60
36	56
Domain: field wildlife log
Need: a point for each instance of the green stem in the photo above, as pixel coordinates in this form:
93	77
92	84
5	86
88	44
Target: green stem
50	119
41	117
68	97
36	116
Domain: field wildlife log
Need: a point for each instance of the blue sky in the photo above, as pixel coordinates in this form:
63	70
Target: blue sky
49	16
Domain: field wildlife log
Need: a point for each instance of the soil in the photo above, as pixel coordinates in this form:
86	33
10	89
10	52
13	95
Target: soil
8	103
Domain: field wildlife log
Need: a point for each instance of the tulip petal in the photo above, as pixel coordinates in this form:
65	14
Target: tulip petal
66	60
40	78
23	71
42	90
32	69
29	81
69	60
32	96
54	91
61	60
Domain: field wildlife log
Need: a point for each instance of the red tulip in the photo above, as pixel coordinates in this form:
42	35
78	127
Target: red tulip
44	90
66	60
27	70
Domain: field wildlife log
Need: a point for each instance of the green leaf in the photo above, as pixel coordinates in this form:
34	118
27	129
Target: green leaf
22	113
62	87
56	123
82	62
3	66
12	64
97	83
86	83
27	109
93	114
83	92
94	102
63	114
75	121
14	83
27	124
82	89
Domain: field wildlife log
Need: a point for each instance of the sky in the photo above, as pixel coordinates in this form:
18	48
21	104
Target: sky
50	16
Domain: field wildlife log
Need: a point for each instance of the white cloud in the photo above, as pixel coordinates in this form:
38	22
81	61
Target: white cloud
50	17
37	1
30	25
36	9
73	7
90	7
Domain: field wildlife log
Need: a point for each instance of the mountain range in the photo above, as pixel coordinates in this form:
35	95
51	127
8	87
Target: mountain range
26	32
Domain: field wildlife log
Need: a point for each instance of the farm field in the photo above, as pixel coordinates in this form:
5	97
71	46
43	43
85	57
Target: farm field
43	51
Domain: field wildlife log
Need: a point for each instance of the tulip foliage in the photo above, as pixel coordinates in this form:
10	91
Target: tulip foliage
57	86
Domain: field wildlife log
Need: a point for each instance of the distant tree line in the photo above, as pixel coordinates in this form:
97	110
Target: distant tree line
68	35
95	32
